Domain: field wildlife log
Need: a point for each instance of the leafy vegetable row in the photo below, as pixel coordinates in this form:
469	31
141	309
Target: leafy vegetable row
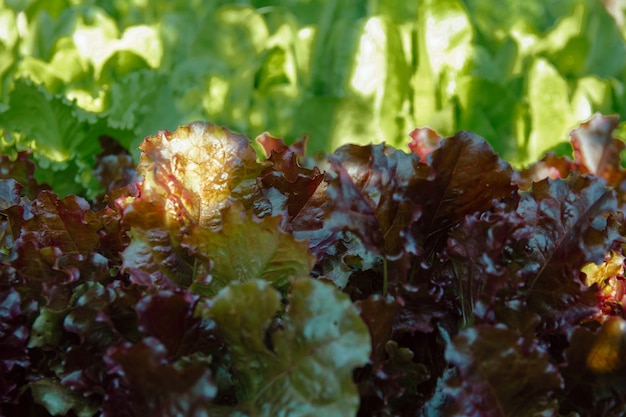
340	71
376	282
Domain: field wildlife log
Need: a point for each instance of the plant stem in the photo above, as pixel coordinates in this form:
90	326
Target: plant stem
385	277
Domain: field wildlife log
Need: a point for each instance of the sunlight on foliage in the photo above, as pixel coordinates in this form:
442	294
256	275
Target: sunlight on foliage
606	353
442	281
520	75
602	274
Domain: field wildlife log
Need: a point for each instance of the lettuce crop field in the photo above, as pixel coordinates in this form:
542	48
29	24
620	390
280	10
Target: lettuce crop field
209	282
388	262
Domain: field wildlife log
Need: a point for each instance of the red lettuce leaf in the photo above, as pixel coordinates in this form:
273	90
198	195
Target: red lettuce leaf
378	314
154	257
594	371
15	211
22	170
596	151
407	354
372	195
15	317
114	167
285	186
367	195
467	177
272	144
58	242
500	374
424	142
147	384
393	384
533	251
565	226
550	166
182	333
67	224
194	170
478	256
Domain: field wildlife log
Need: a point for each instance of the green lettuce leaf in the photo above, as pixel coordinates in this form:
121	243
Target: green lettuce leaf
59	399
246	248
63	137
300	364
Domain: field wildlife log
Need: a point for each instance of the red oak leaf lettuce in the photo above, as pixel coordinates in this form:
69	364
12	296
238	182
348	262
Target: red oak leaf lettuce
461	287
467	177
529	386
22	170
285	186
194	170
594	370
595	150
533	252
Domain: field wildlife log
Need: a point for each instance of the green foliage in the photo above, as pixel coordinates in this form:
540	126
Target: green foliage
321	334
521	75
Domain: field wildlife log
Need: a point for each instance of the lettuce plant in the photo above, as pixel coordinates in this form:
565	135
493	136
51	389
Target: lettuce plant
340	71
376	282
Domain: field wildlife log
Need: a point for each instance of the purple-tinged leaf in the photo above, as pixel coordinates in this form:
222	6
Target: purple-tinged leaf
550	166
378	313
373	195
594	371
565	226
114	167
272	144
479	263
15	317
10	193
194	170
147	384
22	170
15	211
420	308
532	251
169	316
467	177
423	142
285	186
500	374
154	257
369	194
596	150
67	224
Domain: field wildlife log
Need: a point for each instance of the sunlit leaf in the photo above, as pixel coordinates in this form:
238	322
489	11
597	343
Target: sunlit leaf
246	248
549	107
194	170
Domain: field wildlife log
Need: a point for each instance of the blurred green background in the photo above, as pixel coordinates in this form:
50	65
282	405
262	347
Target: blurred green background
519	73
